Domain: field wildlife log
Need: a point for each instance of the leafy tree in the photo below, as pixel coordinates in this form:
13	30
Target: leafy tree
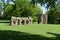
8	11
22	8
49	3
54	15
0	9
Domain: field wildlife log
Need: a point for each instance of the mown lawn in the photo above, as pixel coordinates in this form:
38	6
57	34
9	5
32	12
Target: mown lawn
29	32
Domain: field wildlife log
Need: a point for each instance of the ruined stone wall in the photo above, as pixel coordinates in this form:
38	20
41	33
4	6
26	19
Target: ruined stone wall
21	20
42	18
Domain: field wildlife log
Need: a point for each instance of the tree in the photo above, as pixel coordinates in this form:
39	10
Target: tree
8	11
49	3
0	9
54	15
22	8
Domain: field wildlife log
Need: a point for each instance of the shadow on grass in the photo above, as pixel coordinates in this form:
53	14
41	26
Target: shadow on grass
57	35
4	22
17	35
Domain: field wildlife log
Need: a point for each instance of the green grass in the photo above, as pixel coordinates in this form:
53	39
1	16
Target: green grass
29	32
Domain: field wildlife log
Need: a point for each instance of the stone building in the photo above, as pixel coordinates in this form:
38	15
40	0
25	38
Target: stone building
42	18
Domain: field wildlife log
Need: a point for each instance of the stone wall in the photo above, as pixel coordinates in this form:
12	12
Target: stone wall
42	18
21	20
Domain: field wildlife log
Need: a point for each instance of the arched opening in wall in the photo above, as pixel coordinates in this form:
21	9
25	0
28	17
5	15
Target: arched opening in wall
14	22
22	22
27	22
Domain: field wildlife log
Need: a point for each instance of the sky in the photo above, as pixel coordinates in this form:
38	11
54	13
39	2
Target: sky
43	8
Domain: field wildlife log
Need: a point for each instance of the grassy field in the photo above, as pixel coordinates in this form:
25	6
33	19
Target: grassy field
29	32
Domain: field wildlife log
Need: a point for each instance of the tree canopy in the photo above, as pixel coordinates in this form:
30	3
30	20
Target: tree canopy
22	8
54	15
49	3
0	9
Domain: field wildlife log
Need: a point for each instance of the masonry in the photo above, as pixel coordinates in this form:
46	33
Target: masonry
21	20
42	18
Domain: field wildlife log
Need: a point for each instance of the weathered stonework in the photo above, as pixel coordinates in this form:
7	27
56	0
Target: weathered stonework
42	18
21	20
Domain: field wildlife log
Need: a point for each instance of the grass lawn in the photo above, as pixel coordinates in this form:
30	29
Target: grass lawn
29	32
